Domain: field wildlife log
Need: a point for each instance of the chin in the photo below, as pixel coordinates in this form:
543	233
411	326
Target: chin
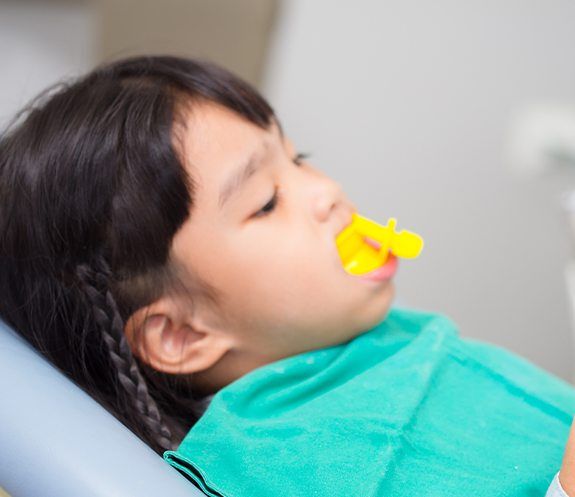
382	307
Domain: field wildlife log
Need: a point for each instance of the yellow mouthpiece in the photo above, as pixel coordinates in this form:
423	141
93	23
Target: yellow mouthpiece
359	257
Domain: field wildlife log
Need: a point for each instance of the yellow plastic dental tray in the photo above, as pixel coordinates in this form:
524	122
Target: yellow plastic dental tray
359	257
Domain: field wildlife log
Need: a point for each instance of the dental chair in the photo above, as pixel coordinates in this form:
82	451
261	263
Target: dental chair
56	441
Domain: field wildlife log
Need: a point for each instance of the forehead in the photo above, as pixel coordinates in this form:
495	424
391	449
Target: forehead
214	130
214	141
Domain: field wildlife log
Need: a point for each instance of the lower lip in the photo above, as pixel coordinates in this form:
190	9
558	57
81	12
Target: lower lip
384	272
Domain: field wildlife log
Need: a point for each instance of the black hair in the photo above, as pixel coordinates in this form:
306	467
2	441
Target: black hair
92	192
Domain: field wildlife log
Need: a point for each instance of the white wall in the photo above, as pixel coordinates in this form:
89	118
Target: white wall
407	105
41	43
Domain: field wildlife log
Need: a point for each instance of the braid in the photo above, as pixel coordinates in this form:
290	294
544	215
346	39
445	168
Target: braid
95	283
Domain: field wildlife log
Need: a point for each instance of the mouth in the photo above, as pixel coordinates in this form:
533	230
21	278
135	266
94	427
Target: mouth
337	257
373	243
382	272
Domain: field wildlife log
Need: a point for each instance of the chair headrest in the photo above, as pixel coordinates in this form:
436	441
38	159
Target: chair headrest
57	441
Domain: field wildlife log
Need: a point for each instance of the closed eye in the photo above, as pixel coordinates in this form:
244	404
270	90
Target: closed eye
277	198
300	157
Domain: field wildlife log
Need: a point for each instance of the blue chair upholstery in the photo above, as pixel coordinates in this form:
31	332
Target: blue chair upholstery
56	441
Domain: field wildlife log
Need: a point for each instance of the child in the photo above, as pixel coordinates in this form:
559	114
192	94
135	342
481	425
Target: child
167	247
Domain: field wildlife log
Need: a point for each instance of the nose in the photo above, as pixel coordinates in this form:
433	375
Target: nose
332	202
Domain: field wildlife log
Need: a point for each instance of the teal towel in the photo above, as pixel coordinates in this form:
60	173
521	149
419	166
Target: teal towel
406	408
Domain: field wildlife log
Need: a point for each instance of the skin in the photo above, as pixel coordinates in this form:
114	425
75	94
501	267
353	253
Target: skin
567	471
284	290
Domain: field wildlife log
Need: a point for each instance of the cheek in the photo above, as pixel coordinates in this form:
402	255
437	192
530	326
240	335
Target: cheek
299	272
270	276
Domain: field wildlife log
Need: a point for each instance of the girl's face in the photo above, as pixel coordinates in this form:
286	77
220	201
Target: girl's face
265	238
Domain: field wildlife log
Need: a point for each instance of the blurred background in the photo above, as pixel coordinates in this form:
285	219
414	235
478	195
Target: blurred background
456	118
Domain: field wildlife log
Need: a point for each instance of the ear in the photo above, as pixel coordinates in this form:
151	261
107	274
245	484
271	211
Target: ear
165	336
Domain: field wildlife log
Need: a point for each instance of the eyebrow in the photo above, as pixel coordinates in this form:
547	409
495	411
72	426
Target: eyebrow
235	182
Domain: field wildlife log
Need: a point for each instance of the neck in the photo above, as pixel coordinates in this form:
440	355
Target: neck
229	368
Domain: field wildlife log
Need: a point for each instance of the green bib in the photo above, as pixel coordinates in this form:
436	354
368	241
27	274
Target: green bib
406	408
